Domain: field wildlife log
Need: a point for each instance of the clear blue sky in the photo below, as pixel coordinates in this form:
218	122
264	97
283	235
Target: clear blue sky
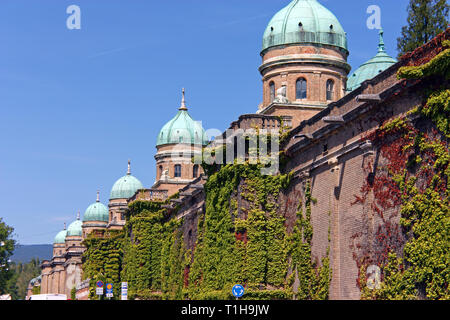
75	105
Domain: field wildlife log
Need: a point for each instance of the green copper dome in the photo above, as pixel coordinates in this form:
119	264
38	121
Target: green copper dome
304	21
96	212
182	129
126	186
75	228
371	68
60	237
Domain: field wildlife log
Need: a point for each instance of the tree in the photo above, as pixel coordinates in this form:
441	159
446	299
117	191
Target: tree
22	274
6	249
426	19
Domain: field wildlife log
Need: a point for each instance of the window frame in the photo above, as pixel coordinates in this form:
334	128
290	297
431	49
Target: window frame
272	91
195	171
330	93
177	171
301	92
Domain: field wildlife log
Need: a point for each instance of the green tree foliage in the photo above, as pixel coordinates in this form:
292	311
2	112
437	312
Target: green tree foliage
22	274
426	19
7	245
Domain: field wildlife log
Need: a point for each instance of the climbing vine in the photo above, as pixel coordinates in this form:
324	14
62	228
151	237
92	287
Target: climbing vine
102	260
412	181
313	281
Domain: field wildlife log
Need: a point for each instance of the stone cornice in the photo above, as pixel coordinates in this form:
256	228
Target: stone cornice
94	224
303	59
303	44
299	106
118	204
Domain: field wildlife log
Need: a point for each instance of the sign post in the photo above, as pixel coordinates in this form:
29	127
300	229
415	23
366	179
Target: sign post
238	291
99	289
109	290
124	291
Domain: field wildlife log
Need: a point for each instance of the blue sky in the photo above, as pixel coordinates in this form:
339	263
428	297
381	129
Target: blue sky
75	105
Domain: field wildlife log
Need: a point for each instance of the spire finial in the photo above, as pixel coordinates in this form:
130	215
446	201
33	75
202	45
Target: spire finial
65	227
381	43
98	196
129	167
78	215
183	101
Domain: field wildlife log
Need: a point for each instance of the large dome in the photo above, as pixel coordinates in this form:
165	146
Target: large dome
304	21
75	228
60	237
371	68
182	129
96	212
126	186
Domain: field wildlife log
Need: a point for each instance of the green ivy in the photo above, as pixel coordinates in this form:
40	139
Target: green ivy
438	66
422	272
102	260
314	281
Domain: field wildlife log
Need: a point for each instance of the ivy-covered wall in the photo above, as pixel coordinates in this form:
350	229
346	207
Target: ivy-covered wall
241	237
103	260
412	177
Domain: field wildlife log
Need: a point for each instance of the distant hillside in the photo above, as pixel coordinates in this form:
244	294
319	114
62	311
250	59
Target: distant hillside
25	253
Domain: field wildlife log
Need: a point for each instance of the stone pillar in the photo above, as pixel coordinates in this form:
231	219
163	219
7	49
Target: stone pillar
44	284
62	280
335	252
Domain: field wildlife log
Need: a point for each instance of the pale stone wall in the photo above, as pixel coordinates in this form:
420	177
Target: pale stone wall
73	277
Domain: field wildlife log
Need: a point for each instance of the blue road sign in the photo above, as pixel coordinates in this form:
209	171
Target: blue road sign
99	284
238	291
109	290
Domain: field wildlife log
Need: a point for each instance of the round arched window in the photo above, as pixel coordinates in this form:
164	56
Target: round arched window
330	90
272	91
301	89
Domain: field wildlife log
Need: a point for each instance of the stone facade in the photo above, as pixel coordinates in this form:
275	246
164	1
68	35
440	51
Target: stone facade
283	66
167	158
329	150
325	146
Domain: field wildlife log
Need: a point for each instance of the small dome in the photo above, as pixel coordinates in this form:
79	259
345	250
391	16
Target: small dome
304	21
126	186
75	228
96	212
371	68
182	129
60	237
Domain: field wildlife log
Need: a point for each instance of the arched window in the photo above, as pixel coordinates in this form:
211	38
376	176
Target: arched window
272	91
301	89
160	171
195	171
330	90
177	171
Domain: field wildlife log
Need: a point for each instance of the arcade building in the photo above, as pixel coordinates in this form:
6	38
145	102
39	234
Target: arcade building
307	82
